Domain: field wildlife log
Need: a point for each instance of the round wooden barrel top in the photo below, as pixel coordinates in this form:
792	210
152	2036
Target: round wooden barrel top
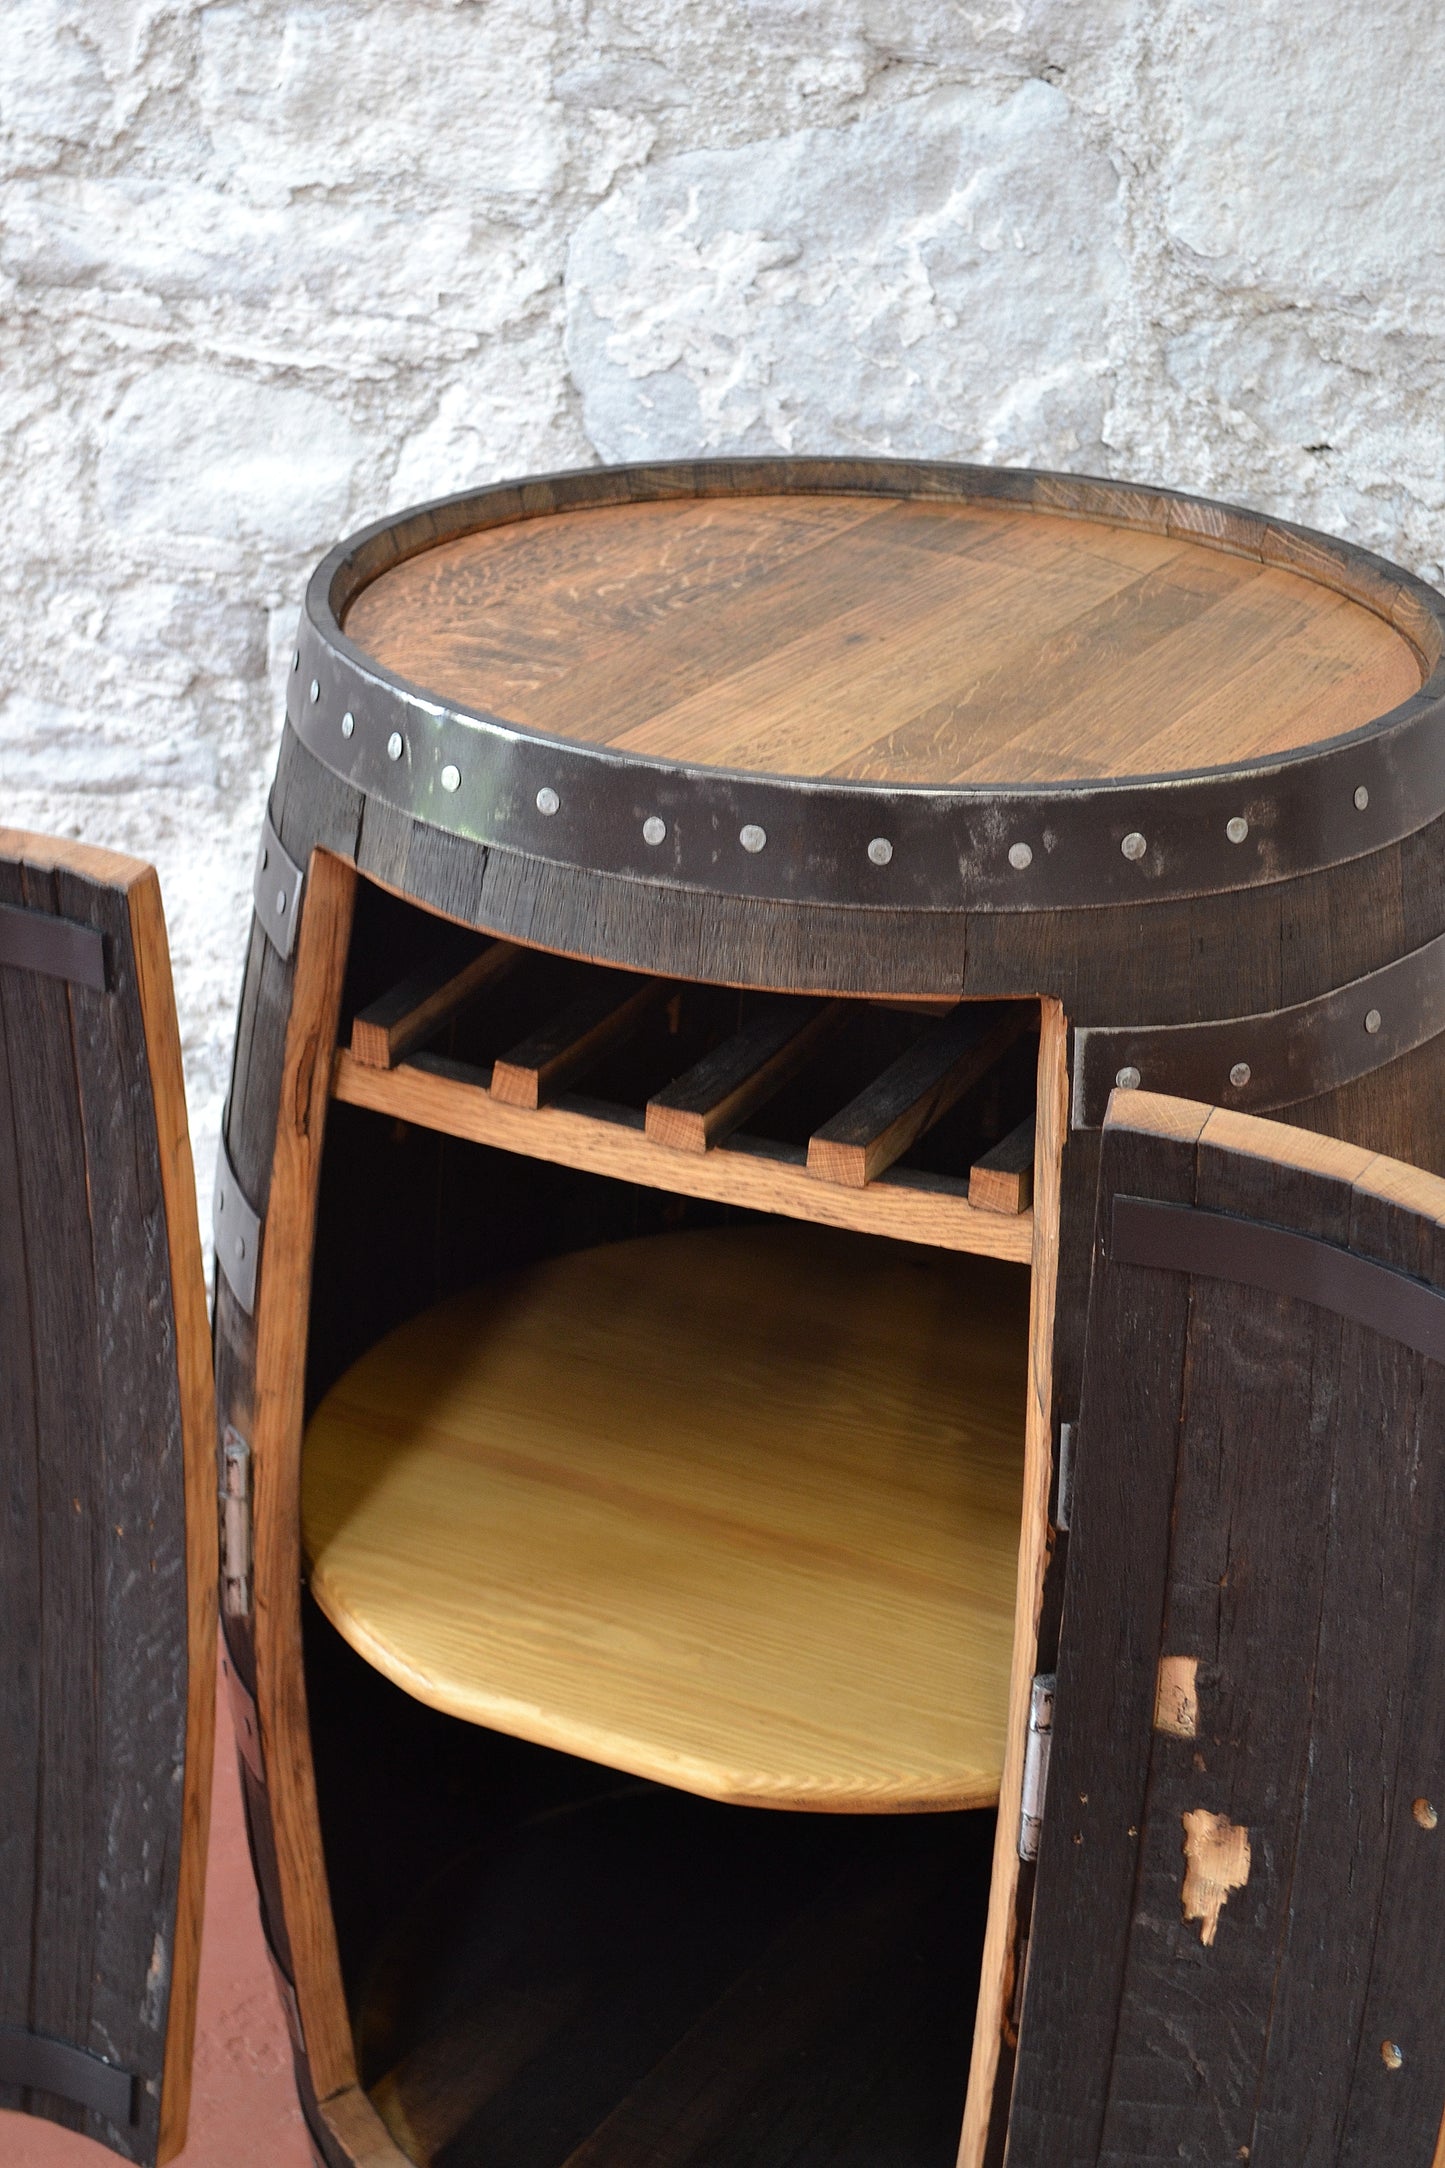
896	641
898	684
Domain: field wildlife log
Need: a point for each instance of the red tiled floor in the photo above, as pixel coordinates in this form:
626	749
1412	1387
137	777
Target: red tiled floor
243	2105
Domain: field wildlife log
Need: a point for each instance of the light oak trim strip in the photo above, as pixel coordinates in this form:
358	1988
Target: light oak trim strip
282	1320
993	2022
1003	1179
355	2125
914	1092
447	1096
390	1028
574	1041
198	1434
718	1093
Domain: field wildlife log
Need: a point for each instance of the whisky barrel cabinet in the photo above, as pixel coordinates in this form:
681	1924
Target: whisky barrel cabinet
702	914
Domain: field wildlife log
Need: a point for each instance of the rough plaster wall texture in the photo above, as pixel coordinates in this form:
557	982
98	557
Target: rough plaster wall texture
271	270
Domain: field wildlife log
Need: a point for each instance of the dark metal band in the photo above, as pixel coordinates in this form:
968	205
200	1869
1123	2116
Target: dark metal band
1277	1059
1046	847
276	891
286	1994
245	1719
42	2065
1217	1246
236	1229
61	948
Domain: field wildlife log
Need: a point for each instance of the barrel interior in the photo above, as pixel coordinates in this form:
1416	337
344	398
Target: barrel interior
552	1957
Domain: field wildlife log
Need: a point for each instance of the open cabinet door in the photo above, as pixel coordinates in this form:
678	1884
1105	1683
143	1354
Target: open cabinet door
1237	1951
107	1508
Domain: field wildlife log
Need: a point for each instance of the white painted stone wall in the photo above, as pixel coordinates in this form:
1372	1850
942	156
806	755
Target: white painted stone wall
268	270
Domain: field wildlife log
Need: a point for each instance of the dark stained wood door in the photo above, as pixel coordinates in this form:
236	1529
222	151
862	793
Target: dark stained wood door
107	1508
1238	1941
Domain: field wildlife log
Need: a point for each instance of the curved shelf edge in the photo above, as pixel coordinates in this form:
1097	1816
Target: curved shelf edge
472	1704
733	1509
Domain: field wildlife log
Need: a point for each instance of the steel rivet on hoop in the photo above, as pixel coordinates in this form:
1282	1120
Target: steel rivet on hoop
348	724
315	689
1239	1075
1020	857
1133	845
1362	798
394	746
296	662
880	850
1372	1020
1128	1078
547	799
752	838
451	777
1237	829
654	830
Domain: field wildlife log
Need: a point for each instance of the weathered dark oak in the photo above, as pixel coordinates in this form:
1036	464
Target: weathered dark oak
661	1979
107	1516
1251	1638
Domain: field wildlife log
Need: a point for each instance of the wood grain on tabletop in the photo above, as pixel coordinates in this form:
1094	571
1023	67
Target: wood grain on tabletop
893	641
735	1509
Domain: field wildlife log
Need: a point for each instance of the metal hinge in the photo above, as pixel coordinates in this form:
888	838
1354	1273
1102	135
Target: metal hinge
1036	1763
1068	1455
235	1525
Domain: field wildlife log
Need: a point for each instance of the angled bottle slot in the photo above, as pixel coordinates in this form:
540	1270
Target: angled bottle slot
914	1092
420	1005
720	1092
567	1045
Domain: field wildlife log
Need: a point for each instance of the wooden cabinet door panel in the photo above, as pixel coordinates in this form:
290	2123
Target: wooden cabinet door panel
1235	1952
107	1513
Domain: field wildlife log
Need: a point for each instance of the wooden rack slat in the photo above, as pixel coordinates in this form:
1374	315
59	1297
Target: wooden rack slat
708	1102
452	1098
1002	1180
896	1108
573	1041
453	975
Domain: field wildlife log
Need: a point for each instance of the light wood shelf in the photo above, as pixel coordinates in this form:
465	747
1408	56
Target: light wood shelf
602	1138
736	1509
